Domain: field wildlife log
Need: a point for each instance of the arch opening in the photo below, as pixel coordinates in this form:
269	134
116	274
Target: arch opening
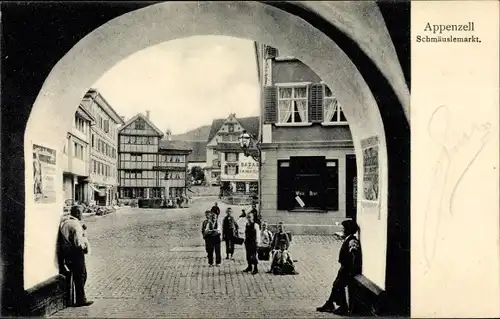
369	110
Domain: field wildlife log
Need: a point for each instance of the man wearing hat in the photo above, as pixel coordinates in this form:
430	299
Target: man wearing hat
350	266
73	248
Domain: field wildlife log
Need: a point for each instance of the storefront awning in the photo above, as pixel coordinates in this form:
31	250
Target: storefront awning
100	191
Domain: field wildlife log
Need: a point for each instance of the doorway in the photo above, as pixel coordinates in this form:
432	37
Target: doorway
351	185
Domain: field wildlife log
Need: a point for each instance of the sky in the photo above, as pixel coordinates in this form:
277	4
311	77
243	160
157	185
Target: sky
185	83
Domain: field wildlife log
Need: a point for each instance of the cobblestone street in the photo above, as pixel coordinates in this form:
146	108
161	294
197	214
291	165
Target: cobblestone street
152	263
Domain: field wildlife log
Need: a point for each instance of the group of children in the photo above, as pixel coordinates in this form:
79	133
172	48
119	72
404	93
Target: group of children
248	230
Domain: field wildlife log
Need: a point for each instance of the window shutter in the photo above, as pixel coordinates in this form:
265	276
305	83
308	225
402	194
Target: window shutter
237	169
270	105
316	103
237	157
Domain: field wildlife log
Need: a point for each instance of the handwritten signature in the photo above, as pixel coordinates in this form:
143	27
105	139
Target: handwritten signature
457	154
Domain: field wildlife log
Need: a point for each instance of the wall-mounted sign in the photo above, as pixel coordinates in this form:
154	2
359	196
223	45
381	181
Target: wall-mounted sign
370	148
249	168
44	174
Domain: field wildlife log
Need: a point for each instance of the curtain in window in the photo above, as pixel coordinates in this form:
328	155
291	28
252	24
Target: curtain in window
331	107
301	106
285	111
285	104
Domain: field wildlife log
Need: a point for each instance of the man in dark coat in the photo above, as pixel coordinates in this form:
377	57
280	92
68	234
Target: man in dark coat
350	266
229	232
252	241
215	210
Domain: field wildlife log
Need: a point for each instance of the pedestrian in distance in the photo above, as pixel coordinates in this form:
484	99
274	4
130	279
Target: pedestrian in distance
215	209
350	266
212	236
252	241
73	246
229	232
256	215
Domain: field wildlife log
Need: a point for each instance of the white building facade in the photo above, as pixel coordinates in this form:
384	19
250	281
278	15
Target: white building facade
227	166
104	151
76	157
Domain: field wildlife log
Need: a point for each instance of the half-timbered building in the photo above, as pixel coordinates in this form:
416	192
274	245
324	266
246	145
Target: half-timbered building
149	167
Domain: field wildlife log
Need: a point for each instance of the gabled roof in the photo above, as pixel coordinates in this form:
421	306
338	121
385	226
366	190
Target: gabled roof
251	124
99	99
140	115
199	153
174	146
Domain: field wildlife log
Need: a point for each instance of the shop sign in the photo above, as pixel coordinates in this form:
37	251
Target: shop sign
248	170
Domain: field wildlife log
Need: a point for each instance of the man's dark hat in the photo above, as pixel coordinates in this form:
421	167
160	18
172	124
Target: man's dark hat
350	226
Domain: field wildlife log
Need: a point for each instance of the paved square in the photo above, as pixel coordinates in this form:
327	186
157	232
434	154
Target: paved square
152	263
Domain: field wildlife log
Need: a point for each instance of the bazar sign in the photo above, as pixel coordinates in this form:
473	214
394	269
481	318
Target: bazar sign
249	168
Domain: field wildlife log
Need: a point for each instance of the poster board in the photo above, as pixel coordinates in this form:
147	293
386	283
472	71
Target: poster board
371	172
44	174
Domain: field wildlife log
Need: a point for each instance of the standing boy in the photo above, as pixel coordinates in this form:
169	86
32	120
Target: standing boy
211	234
229	232
252	241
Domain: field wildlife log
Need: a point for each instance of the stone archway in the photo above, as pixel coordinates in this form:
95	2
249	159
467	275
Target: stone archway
372	90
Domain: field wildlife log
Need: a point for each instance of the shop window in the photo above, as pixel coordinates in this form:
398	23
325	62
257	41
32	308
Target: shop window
240	187
126	193
156	192
254	187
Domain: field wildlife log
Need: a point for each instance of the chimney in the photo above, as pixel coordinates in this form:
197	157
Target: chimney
147	114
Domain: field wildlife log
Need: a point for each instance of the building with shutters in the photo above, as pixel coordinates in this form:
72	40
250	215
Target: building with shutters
227	166
308	172
150	167
103	179
76	157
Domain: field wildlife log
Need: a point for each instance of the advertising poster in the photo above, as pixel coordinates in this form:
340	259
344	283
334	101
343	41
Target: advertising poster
44	174
370	169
